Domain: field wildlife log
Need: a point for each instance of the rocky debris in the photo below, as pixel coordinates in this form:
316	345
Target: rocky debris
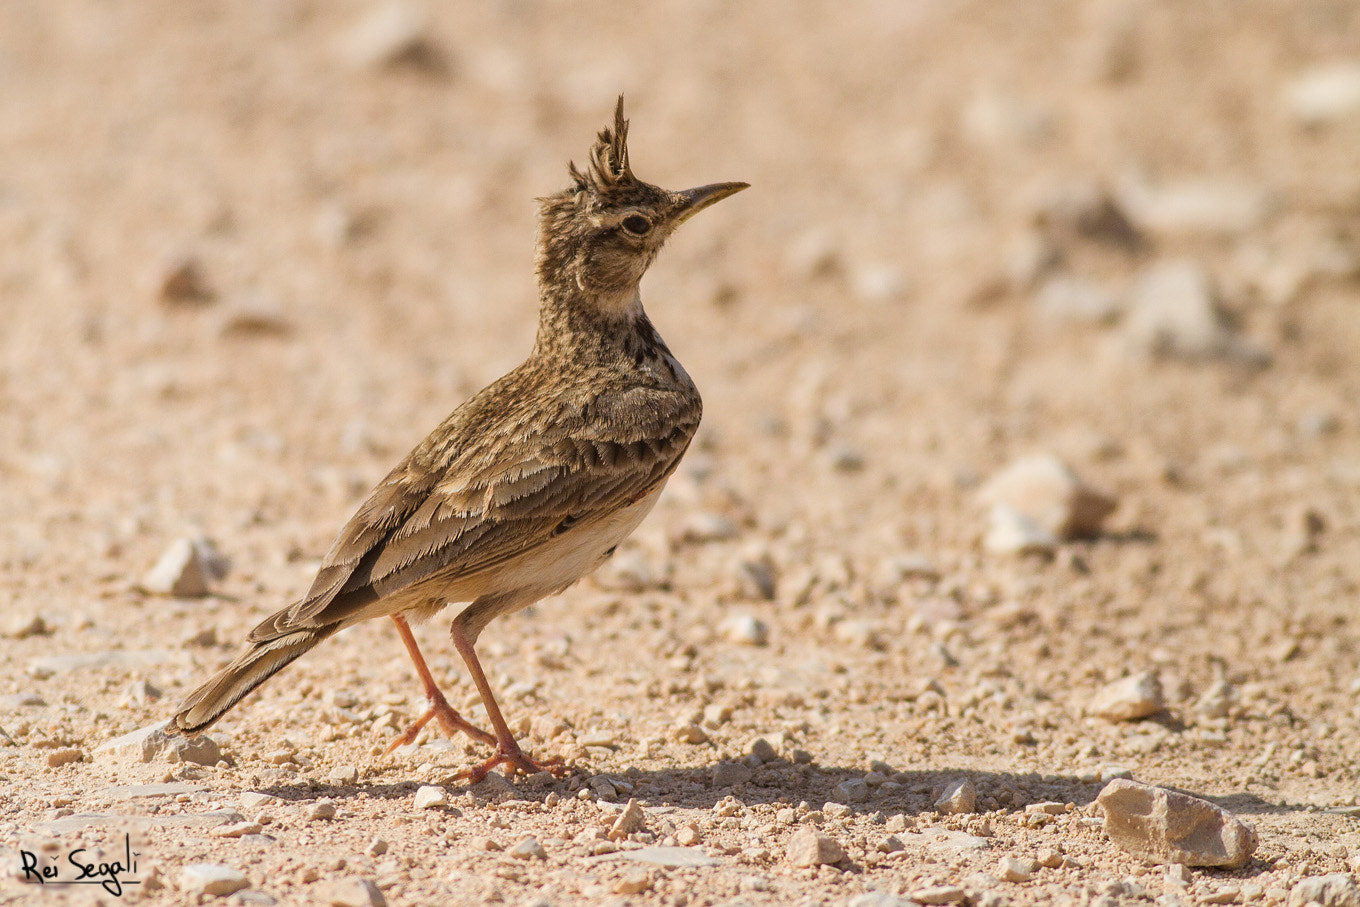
1166	826
958	798
343	775
1011	532
352	892
22	626
1338	889
668	857
141	692
634	882
852	790
212	879
529	849
1016	869
1195	206
389	35
1174	311
939	894
1325	94
321	809
431	797
992	118
1064	297
1049	857
1084	209
180	280
631	820
810	846
763	750
236	830
152	742
187	569
689	732
1218	700
745	630
1043	490
949	839
1129	698
64	756
730	774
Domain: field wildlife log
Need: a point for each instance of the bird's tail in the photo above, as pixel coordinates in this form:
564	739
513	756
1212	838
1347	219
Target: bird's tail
257	664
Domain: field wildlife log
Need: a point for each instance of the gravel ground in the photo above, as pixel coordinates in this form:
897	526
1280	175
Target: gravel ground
251	253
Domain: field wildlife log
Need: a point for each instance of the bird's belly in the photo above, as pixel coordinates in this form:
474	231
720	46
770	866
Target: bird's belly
576	552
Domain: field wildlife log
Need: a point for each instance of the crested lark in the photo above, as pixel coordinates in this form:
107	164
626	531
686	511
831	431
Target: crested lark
531	483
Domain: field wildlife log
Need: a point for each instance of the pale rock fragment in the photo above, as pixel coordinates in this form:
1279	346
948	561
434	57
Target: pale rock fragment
810	846
1129	698
1166	826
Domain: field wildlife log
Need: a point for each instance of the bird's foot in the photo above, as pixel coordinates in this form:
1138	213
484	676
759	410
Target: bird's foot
514	759
450	722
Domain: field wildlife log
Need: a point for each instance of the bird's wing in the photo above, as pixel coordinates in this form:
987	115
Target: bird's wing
500	495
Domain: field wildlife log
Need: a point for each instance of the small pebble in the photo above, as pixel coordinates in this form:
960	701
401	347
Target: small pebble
689	732
763	750
1129	698
730	774
852	790
187	569
344	774
743	629
1015	869
808	846
236	830
631	820
939	894
431	797
959	797
634	882
212	879
529	849
321	809
1050	858
64	756
353	892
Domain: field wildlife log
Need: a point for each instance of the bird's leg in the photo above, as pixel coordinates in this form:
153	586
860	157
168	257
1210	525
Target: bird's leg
448	718
507	750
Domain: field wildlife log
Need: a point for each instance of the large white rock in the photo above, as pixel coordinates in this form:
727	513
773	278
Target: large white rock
1166	826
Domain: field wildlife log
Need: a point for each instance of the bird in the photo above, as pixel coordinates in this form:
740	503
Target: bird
533	481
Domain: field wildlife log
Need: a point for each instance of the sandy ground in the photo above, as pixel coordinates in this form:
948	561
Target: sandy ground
875	329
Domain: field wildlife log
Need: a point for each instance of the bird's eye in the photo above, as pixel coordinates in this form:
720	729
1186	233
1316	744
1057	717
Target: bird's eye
637	225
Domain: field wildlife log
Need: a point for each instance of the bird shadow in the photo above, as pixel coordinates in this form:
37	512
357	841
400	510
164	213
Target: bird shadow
779	783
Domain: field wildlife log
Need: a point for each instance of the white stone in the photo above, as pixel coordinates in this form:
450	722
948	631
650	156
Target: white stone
1064	297
1325	94
743	629
631	820
959	797
1045	491
1129	698
529	849
213	879
431	797
1174	311
152	742
1166	826
187	569
1337	889
939	894
810	846
352	892
1015	869
1195	206
1011	532
852	790
386	35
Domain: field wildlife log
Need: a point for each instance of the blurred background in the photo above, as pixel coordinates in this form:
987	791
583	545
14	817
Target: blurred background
250	253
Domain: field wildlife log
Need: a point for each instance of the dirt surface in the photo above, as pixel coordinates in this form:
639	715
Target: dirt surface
877	326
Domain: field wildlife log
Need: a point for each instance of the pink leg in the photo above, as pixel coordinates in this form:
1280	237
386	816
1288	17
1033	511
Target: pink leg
448	717
508	752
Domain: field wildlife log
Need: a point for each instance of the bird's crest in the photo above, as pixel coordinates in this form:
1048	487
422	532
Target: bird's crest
608	159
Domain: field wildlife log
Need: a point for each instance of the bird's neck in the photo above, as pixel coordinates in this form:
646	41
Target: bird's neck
573	324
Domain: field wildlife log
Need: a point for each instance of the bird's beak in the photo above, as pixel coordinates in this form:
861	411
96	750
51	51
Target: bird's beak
692	201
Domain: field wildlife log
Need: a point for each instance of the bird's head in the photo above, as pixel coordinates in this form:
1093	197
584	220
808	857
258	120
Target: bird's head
600	234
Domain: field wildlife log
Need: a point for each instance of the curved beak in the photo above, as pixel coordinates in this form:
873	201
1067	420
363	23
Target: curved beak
692	201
